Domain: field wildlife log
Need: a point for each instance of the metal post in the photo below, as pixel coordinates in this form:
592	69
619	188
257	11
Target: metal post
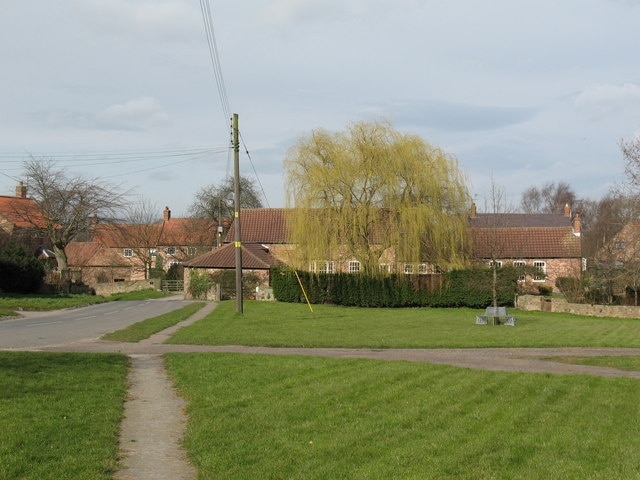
236	214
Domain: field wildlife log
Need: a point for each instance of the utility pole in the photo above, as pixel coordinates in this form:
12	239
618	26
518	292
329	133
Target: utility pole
236	214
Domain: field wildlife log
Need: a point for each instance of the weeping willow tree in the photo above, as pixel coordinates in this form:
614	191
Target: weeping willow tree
375	195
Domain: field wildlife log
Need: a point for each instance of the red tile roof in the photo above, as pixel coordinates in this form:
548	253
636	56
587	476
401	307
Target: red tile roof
261	225
528	242
19	211
514	220
93	254
254	257
173	232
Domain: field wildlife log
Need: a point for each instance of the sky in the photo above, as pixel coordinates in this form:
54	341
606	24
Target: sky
521	92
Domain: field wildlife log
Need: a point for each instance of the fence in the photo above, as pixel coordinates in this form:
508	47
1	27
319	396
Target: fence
172	285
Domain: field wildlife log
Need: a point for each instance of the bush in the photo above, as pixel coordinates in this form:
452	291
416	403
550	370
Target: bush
545	290
20	271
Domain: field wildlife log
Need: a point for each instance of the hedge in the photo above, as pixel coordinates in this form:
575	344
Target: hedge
457	288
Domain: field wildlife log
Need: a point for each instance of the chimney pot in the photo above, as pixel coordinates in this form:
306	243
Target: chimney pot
166	215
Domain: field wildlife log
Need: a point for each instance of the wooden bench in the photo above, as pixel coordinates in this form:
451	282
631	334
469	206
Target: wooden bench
497	315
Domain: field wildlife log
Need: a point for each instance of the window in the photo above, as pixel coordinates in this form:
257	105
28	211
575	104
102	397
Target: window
153	252
354	266
520	264
542	266
497	263
128	252
191	250
408	268
171	250
619	245
385	267
423	269
325	266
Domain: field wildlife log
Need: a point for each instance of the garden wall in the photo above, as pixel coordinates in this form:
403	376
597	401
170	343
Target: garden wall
537	302
106	289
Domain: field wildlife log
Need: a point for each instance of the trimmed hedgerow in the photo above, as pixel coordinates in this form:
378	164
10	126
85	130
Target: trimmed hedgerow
457	288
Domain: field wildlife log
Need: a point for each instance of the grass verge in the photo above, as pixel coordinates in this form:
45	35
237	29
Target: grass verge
11	305
310	418
146	328
278	324
60	414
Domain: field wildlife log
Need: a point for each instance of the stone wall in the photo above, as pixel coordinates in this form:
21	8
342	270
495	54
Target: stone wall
106	289
536	302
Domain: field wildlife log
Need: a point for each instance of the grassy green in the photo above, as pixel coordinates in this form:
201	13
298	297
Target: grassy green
620	362
283	324
146	328
268	417
60	414
11	304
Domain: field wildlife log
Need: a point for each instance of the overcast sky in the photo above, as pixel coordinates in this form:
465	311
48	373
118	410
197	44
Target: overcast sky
524	92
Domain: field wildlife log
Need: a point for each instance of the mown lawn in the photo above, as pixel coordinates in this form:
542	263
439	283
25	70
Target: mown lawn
60	414
267	417
281	324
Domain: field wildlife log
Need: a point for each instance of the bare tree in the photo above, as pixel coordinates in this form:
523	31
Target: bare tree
141	232
216	201
631	152
550	198
66	203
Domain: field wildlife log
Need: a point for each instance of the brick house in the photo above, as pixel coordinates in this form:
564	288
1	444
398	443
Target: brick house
549	242
142	247
21	221
264	245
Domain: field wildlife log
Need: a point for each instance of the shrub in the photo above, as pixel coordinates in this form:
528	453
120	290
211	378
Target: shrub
20	271
199	284
545	290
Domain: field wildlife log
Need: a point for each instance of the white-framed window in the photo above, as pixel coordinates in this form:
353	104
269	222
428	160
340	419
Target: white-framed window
153	252
323	266
128	252
542	266
327	267
171	250
385	267
519	264
424	269
408	268
191	250
497	263
354	266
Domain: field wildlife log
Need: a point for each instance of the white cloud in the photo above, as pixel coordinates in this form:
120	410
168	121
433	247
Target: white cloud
601	101
137	113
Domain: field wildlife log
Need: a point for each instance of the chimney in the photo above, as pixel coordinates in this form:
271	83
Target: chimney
21	190
567	210
474	210
166	215
577	224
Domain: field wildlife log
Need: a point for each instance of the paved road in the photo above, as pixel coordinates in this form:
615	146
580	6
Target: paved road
46	329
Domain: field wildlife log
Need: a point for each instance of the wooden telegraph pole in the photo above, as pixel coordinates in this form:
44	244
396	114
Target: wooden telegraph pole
236	214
